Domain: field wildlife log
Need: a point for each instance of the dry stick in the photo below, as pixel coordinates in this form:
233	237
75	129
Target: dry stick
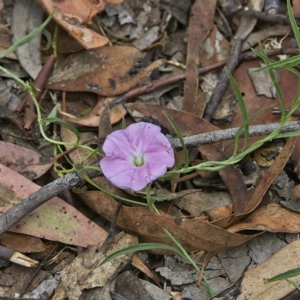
229	134
151	86
223	80
19	211
241	10
39	83
264	16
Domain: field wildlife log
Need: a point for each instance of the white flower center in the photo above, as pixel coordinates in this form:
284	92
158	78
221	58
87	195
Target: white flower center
138	161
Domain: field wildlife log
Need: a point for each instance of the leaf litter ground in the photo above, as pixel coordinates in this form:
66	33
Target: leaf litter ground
239	223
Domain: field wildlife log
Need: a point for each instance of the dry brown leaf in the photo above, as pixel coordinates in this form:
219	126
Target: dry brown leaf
26	162
142	267
296	191
215	48
195	202
93	118
75	18
288	85
272	217
22	243
105	71
78	154
219	212
194	233
200	23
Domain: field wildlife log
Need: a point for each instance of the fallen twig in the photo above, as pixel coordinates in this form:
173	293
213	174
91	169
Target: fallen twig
229	134
223	80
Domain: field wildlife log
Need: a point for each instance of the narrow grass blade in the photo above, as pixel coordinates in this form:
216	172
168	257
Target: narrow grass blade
276	85
179	135
240	130
243	109
139	247
28	37
285	275
288	63
293	22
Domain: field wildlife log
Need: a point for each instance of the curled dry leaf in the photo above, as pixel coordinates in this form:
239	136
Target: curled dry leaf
76	16
107	71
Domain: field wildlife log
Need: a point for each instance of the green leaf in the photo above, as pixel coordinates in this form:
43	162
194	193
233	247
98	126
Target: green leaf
276	85
287	63
284	275
52	114
163	197
293	283
123	124
243	109
293	22
139	247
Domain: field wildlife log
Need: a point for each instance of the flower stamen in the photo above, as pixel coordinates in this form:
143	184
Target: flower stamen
138	161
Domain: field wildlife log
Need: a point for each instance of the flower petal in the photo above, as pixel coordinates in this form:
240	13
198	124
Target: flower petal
117	145
140	135
164	157
123	175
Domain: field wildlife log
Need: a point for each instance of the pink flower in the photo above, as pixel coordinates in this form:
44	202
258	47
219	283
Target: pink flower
136	156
